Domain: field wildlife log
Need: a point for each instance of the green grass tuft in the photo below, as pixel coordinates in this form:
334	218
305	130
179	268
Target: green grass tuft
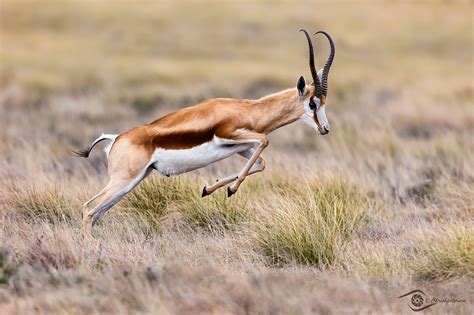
158	197
214	213
155	197
445	255
44	203
313	226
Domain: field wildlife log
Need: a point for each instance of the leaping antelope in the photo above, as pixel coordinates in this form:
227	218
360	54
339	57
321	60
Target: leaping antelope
197	136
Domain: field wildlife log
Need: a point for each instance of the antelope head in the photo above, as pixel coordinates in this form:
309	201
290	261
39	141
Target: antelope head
314	96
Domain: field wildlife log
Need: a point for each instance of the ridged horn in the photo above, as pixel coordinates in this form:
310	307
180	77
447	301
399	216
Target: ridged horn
318	90
327	66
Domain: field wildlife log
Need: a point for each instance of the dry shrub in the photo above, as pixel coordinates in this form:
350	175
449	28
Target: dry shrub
446	254
312	226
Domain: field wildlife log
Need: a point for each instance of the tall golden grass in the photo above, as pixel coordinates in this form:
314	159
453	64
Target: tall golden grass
337	224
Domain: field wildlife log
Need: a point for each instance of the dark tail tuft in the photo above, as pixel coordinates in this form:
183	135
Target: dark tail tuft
81	153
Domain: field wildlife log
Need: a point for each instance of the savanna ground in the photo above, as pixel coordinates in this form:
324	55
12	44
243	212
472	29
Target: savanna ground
337	224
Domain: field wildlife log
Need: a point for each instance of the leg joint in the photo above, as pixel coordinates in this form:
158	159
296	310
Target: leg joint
264	142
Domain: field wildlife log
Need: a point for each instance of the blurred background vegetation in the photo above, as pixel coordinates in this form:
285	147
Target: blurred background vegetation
150	52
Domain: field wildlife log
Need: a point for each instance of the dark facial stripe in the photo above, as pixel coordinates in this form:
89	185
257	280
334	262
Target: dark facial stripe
316	120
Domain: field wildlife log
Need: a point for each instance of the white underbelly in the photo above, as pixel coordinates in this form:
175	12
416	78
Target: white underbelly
173	162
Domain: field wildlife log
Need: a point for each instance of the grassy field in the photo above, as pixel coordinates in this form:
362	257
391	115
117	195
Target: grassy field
339	224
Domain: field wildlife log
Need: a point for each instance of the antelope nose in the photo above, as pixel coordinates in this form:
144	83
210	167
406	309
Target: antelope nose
326	130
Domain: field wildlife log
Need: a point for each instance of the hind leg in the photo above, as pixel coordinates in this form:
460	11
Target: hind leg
106	199
114	194
128	165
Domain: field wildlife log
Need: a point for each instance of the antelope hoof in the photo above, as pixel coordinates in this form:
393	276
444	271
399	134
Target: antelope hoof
204	192
229	191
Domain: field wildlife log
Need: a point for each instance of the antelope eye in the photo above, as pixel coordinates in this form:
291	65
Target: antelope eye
312	104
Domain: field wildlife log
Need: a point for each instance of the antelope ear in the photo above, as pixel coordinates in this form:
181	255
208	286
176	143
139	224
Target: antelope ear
301	86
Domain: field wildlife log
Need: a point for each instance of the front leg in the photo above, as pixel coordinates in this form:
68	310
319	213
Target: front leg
261	141
259	166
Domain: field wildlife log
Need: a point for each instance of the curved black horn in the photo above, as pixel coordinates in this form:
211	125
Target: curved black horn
327	66
318	91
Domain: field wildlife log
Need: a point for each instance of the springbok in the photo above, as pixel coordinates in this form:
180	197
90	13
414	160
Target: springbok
197	136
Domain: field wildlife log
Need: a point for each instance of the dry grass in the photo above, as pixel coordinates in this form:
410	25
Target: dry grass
337	224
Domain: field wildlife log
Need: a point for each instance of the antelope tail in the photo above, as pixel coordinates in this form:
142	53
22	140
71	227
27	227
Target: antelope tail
85	153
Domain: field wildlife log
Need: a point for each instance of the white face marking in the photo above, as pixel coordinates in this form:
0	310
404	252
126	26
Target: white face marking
173	162
307	109
309	120
308	116
322	118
